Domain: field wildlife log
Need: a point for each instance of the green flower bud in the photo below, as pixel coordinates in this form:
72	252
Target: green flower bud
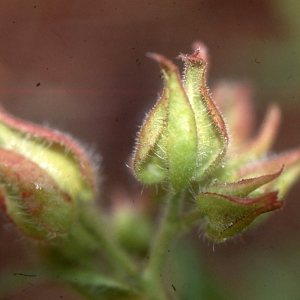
231	207
44	176
60	156
228	216
32	199
184	138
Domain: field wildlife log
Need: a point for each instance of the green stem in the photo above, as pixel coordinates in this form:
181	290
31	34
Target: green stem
93	223
168	231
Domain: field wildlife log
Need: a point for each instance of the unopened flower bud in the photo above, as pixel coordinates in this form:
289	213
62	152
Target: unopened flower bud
32	199
184	137
44	176
59	155
231	207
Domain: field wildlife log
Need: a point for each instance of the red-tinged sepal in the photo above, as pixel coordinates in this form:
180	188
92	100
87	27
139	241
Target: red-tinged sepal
290	174
260	145
212	137
227	216
234	100
149	161
244	187
32	199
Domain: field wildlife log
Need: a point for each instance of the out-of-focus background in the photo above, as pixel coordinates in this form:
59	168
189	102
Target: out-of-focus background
80	66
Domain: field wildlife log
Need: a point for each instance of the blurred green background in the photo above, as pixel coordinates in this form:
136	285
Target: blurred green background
80	66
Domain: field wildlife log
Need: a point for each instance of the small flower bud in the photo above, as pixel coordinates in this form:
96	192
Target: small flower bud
32	199
231	207
60	156
228	216
44	175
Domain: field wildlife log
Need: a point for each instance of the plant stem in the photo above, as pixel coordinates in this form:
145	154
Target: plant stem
94	224
166	235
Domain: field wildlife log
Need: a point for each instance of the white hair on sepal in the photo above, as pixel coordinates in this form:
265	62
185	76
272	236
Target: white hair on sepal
143	188
156	154
161	149
201	232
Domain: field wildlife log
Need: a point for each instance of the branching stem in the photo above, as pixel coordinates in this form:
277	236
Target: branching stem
94	224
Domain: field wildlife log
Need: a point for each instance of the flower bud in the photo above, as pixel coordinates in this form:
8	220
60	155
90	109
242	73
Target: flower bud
60	156
44	175
32	199
231	207
184	138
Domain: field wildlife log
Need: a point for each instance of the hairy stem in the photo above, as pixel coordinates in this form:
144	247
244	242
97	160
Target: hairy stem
166	235
94	224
